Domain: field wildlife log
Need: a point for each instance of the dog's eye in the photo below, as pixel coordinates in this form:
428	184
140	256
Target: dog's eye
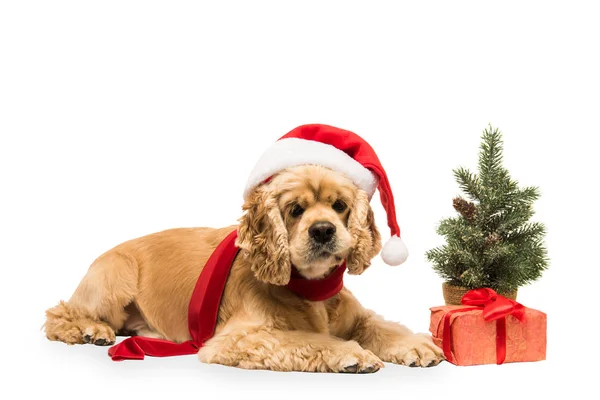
296	211
339	206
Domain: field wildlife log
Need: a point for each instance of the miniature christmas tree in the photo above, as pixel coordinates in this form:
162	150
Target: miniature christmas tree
491	243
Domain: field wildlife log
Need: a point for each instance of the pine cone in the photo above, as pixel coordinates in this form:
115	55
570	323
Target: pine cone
492	239
464	208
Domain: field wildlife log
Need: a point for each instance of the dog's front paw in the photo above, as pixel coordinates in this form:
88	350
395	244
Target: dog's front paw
415	350
354	360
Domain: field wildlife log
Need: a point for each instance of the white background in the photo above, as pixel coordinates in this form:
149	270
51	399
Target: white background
119	119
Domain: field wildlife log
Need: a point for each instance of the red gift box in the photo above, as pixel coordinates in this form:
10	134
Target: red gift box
489	328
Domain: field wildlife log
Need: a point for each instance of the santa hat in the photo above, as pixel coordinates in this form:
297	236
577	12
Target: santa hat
339	150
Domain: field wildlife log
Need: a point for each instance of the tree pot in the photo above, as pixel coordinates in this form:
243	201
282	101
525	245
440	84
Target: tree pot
453	294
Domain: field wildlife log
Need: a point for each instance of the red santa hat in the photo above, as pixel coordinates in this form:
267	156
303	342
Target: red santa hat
342	151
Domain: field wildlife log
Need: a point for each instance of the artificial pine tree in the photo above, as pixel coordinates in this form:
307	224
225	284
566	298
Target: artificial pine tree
491	243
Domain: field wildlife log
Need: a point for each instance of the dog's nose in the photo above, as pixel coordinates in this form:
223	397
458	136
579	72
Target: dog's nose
321	231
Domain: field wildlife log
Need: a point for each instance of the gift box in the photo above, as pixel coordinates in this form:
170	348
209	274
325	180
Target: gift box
489	329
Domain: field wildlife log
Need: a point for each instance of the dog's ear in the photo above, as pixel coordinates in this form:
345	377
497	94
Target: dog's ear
263	237
365	235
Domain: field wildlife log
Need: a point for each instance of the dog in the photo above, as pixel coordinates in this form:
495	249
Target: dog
309	217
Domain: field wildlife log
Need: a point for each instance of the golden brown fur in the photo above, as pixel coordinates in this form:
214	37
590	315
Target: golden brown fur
144	286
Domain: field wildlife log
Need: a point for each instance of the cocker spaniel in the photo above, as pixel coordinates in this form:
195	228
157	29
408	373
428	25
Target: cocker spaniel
306	220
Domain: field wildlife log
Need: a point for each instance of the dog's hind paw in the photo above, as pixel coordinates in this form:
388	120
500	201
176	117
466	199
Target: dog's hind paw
100	335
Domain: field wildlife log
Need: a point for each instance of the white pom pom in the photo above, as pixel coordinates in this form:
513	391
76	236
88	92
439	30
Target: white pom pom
394	252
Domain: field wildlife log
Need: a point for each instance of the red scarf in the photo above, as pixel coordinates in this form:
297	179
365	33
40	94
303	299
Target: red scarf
205	301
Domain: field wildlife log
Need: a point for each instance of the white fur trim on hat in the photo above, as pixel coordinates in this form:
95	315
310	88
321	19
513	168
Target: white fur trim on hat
394	252
291	152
